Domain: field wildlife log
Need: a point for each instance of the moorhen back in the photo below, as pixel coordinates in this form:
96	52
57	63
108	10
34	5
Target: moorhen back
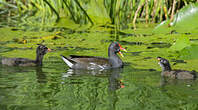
92	62
40	52
175	74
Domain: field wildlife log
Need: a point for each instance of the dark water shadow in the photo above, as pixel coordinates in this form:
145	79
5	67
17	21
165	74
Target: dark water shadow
5	49
122	42
77	48
5	42
159	45
178	61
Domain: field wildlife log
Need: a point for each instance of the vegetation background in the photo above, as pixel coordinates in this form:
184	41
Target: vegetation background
120	12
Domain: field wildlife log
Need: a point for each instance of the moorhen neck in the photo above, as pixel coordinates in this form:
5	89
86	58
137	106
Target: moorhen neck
175	74
40	52
91	62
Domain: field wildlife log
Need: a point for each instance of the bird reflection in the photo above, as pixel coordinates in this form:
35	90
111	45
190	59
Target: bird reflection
168	81
115	81
113	75
41	76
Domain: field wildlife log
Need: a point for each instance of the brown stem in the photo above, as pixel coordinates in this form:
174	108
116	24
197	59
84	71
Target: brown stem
169	10
161	13
165	12
147	11
136	13
173	10
154	10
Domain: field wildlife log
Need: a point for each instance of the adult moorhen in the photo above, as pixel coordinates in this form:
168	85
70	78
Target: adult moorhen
40	52
92	62
175	74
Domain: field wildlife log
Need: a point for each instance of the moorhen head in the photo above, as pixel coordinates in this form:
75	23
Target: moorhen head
40	52
92	62
175	74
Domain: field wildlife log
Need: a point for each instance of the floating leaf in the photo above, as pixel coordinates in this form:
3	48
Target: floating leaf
189	52
180	43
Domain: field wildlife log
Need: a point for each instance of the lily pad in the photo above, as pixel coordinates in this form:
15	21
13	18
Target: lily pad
185	21
189	52
180	43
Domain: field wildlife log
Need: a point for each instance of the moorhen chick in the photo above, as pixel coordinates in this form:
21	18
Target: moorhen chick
175	74
40	52
92	62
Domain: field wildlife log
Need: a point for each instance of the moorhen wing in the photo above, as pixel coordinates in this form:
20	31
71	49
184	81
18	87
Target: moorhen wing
92	62
40	52
175	74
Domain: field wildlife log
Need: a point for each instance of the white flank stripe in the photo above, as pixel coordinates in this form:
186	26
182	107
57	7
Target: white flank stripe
67	62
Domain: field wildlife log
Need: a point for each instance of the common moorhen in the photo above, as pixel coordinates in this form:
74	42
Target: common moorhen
175	74
40	52
92	62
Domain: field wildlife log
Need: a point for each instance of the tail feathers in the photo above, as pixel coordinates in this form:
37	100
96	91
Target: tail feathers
67	61
1	58
194	74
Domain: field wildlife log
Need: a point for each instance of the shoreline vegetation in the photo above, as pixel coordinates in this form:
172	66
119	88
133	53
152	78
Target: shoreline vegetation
91	12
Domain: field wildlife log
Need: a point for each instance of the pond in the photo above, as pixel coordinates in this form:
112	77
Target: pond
137	86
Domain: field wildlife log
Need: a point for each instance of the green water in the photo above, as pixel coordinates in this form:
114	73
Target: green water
137	86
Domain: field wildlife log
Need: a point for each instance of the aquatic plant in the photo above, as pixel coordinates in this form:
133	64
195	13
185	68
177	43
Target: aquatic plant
91	11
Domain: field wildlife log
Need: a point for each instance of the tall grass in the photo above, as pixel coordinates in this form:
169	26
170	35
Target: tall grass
93	11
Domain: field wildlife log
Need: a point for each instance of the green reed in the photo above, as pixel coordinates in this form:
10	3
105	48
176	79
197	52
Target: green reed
86	11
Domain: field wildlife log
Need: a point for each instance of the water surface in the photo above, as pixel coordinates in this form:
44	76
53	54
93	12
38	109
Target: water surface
137	86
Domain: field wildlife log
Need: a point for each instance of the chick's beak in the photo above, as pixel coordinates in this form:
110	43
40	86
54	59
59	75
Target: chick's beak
158	59
49	50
